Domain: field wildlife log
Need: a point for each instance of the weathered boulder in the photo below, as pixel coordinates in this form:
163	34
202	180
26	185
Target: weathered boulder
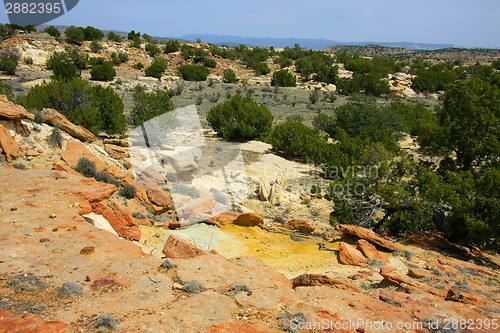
278	188
410	284
311	280
249	220
300	225
368	235
264	190
54	118
65	168
458	294
9	146
224	218
117	142
76	150
160	198
26	322
119	218
176	247
13	111
116	151
348	255
99	191
185	163
370	251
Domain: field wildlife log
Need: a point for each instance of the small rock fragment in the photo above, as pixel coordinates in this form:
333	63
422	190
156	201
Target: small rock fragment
193	287
87	250
70	289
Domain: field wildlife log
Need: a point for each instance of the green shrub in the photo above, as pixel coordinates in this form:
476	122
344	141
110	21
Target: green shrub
152	49
199	55
123	56
240	119
105	177
314	96
138	66
95	46
229	76
94	61
172	46
74	35
91	106
93	34
112	36
136	42
66	70
51	30
150	105
86	167
261	68
73	55
128	191
6	90
210	62
55	138
8	65
295	139
187	51
104	72
28	60
157	68
193	72
133	35
283	78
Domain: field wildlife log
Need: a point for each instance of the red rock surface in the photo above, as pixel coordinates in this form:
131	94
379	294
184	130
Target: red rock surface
119	218
239	328
160	198
63	167
348	255
368	235
370	251
76	150
29	323
249	220
300	225
13	111
176	247
54	118
100	191
9	146
116	152
225	218
311	280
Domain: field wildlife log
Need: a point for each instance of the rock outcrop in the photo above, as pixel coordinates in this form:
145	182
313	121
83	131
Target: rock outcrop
27	322
119	218
54	118
278	188
13	111
311	280
9	146
176	247
370	251
300	225
368	235
76	150
349	255
249	220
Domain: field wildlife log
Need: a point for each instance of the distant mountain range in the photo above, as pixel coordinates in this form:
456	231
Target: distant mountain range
315	44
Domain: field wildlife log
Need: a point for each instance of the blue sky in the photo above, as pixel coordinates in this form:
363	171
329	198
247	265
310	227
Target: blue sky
461	22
